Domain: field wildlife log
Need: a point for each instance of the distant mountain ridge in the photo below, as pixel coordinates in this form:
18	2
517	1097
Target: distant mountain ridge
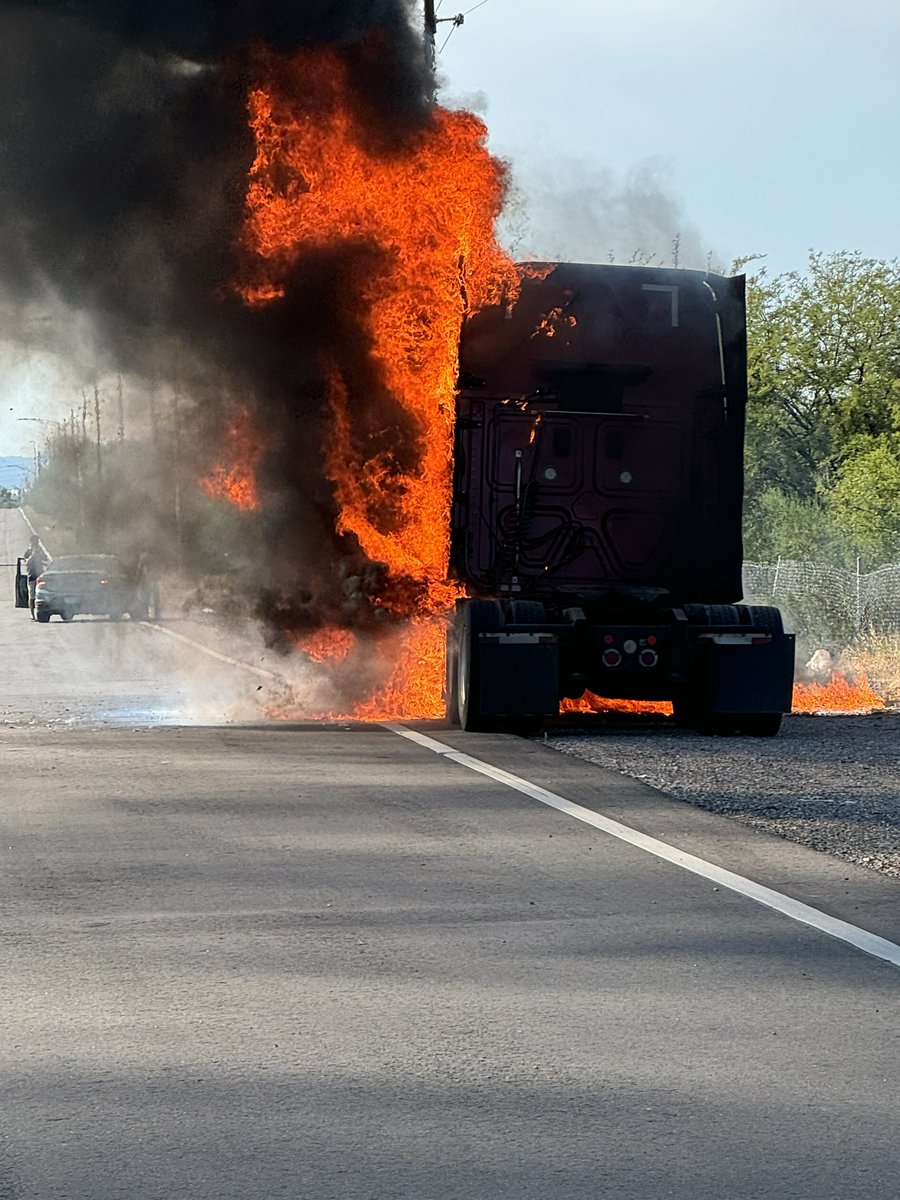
15	471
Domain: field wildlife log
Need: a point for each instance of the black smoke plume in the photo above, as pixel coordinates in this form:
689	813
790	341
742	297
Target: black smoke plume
124	152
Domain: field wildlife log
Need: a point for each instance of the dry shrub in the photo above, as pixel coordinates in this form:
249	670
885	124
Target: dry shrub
878	654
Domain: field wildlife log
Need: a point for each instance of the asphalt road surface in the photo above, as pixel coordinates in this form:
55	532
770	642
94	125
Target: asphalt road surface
329	963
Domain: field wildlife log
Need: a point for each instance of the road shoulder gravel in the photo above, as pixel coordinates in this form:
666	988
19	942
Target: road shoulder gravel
828	782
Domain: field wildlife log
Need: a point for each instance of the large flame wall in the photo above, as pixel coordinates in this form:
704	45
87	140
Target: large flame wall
422	213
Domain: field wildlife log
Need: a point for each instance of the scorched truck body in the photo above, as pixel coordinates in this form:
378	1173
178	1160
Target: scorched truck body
597	498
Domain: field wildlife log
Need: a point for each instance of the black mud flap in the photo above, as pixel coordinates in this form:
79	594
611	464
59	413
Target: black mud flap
518	675
21	586
743	674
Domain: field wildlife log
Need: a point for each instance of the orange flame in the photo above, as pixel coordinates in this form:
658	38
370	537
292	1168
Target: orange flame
236	483
424	211
413	688
589	703
406	661
326	645
553	320
840	694
428	208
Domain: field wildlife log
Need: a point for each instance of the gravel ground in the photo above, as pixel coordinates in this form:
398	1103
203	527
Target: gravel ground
830	782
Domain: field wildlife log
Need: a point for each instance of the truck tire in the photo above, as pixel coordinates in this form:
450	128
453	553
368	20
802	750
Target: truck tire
710	724
760	724
451	672
43	617
691	712
763	617
684	710
526	612
712	614
472	618
736	724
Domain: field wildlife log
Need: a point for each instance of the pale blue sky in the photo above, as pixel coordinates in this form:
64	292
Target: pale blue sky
765	127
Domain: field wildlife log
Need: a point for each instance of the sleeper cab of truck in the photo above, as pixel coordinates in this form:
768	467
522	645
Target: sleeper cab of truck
596	517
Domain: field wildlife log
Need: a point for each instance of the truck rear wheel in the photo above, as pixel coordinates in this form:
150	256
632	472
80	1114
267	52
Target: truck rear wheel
472	618
713	614
526	612
763	617
731	724
760	724
684	710
451	673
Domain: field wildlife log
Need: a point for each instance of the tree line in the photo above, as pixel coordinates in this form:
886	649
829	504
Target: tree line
823	417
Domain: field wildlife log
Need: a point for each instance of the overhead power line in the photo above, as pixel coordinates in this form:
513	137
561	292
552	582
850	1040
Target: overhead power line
432	20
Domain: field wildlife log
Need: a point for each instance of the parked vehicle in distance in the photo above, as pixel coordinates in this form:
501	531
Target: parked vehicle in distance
94	584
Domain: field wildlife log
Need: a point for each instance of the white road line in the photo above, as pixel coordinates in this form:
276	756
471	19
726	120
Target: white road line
861	939
225	658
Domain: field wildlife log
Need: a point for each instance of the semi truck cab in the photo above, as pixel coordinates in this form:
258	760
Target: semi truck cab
597	500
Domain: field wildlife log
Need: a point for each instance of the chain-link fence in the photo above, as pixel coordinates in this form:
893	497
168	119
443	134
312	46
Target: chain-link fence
827	603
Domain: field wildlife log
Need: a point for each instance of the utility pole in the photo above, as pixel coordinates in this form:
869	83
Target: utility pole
430	35
432	20
77	451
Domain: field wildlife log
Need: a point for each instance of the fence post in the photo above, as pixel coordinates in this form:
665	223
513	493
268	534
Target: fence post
858	600
775	578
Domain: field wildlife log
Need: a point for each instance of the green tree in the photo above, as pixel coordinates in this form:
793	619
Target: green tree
781	525
865	500
824	388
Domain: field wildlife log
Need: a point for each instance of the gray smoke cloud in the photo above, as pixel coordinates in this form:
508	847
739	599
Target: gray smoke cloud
566	209
124	152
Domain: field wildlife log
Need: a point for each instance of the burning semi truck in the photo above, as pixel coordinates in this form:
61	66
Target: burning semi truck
597	496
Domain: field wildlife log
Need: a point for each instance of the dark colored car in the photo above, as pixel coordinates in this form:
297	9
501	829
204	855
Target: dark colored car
97	584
